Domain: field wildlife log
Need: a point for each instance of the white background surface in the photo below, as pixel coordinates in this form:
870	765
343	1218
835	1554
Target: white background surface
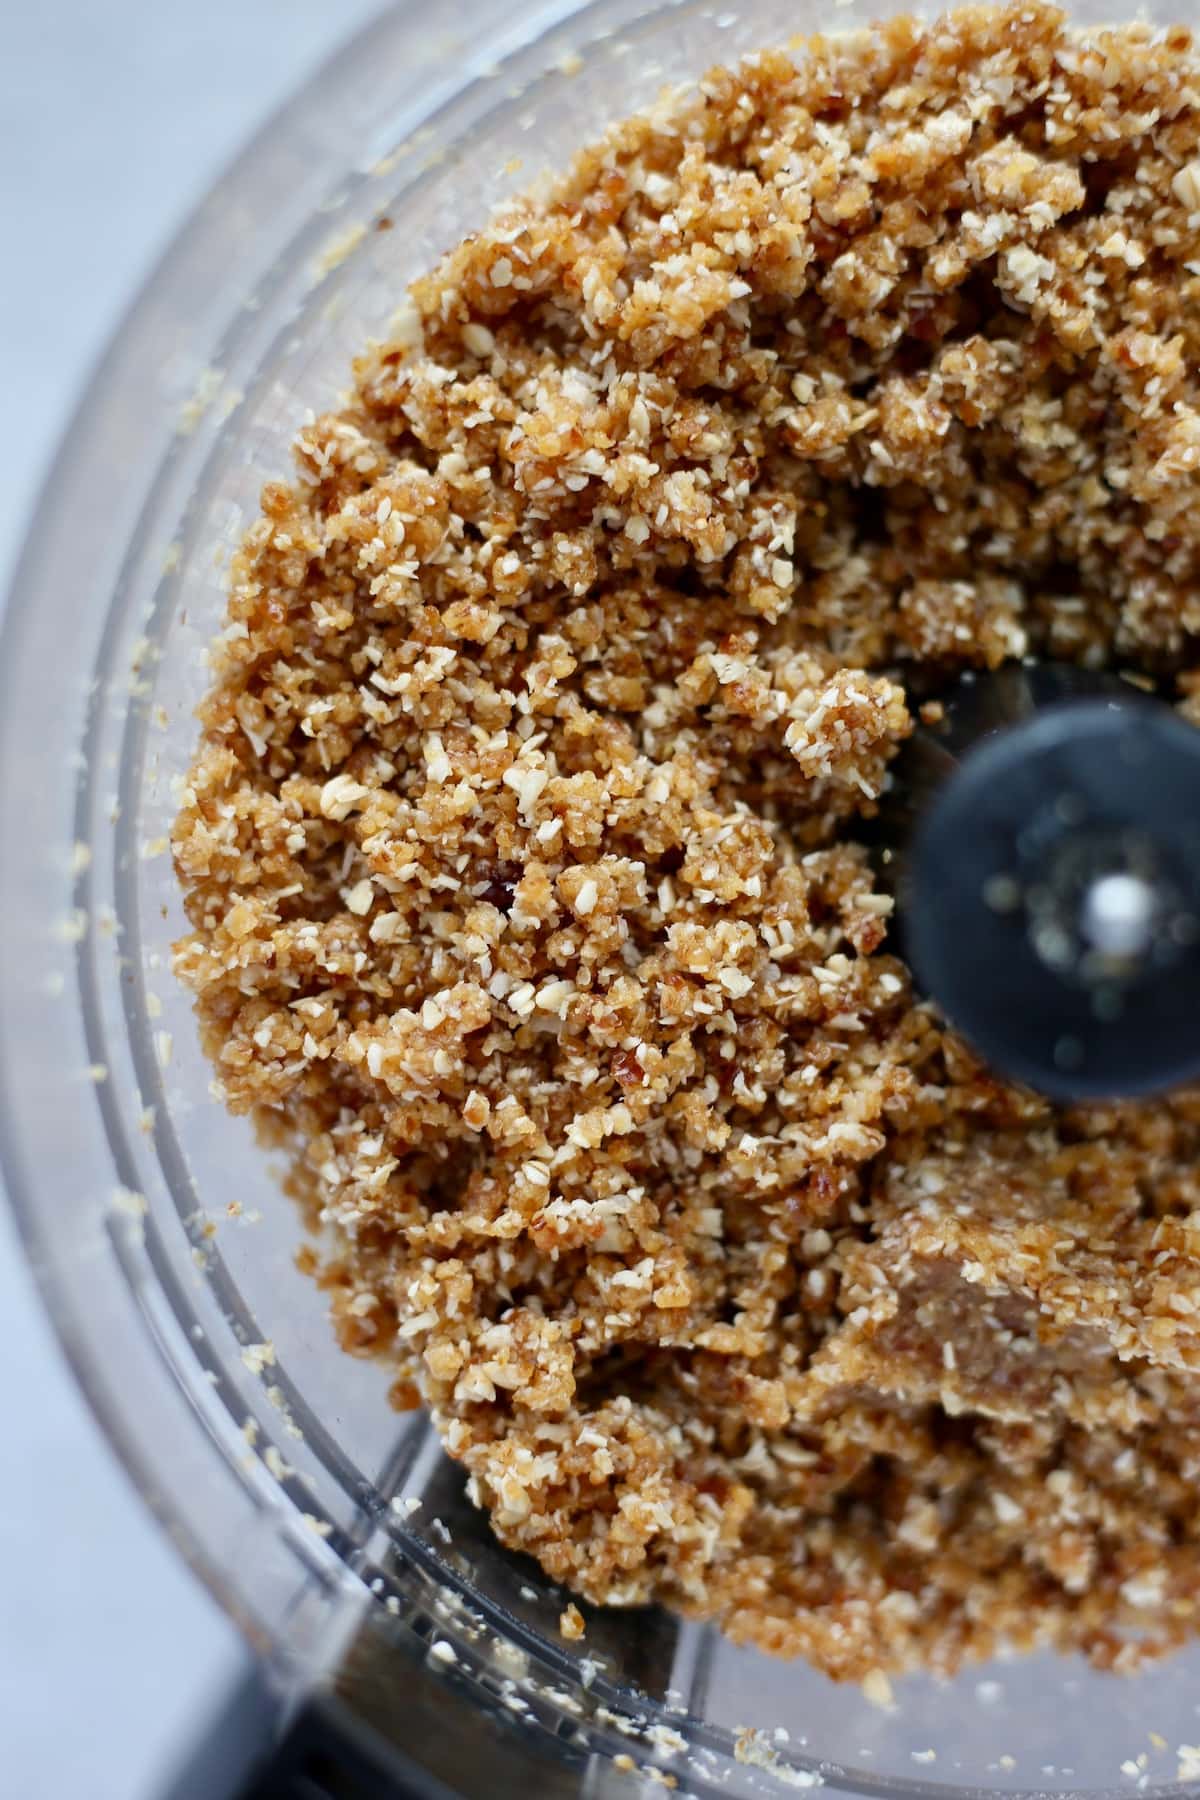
115	115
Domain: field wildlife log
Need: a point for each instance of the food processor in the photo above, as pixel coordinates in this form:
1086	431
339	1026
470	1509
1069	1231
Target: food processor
405	1651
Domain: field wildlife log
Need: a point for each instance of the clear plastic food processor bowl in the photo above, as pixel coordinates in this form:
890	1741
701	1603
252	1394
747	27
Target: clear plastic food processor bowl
276	1469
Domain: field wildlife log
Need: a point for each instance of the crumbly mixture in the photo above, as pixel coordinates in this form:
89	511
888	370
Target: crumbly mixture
520	849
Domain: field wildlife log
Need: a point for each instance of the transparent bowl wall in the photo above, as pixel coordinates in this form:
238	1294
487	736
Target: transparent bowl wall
276	1478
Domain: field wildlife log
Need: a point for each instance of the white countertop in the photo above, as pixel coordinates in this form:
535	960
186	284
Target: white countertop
114	118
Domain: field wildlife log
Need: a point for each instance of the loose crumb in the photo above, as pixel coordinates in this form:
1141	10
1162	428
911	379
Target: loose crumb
878	1689
208	386
1189	1762
276	1467
570	1623
339	247
129	1201
73	928
750	1747
524	847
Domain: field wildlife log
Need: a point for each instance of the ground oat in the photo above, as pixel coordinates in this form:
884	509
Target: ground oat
520	847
